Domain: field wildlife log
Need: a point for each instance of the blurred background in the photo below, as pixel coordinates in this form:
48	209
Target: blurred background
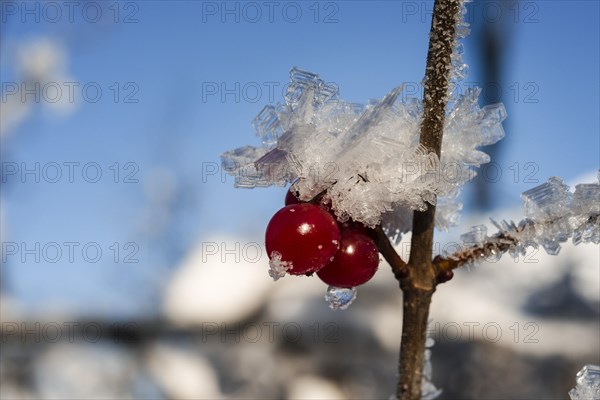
131	267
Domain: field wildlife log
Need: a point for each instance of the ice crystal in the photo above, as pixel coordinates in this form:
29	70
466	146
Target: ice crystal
554	215
549	201
475	236
340	298
588	384
428	389
459	68
367	159
278	268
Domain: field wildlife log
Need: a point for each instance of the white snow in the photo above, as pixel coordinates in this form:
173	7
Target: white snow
218	282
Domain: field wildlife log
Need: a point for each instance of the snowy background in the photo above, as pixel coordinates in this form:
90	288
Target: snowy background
131	267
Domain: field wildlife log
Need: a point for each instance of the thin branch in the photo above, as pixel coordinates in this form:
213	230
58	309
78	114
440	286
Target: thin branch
437	79
399	267
500	243
419	285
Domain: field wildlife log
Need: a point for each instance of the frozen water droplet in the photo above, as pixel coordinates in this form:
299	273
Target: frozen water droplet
340	298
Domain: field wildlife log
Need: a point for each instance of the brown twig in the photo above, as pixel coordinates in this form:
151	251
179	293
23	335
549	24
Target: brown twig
399	267
419	285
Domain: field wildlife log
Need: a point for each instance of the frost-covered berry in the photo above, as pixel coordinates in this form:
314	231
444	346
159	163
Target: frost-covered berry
302	237
354	264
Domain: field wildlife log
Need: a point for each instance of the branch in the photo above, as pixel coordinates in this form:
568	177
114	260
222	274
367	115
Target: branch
399	267
437	77
511	238
419	285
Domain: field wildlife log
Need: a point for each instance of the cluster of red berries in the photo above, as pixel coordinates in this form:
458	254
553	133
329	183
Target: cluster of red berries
307	238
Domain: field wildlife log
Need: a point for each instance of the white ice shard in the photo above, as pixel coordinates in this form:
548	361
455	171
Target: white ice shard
588	384
476	236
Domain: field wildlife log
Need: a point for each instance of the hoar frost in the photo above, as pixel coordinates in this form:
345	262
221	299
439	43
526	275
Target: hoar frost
588	384
428	389
553	214
277	267
366	159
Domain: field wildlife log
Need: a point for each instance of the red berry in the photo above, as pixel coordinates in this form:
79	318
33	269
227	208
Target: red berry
356	226
291	197
354	264
305	235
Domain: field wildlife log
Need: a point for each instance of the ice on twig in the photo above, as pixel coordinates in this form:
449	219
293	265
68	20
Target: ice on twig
586	213
554	215
368	158
548	200
428	389
559	214
476	236
340	298
588	384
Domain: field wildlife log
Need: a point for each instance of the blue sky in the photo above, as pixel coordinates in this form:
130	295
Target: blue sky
171	56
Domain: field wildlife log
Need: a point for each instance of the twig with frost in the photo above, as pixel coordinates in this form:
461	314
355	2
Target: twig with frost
420	282
554	215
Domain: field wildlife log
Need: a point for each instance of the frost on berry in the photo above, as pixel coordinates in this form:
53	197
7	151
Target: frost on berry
278	268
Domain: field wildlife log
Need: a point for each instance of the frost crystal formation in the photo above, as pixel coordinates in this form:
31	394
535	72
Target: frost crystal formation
553	214
366	159
588	384
340	298
278	268
428	389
